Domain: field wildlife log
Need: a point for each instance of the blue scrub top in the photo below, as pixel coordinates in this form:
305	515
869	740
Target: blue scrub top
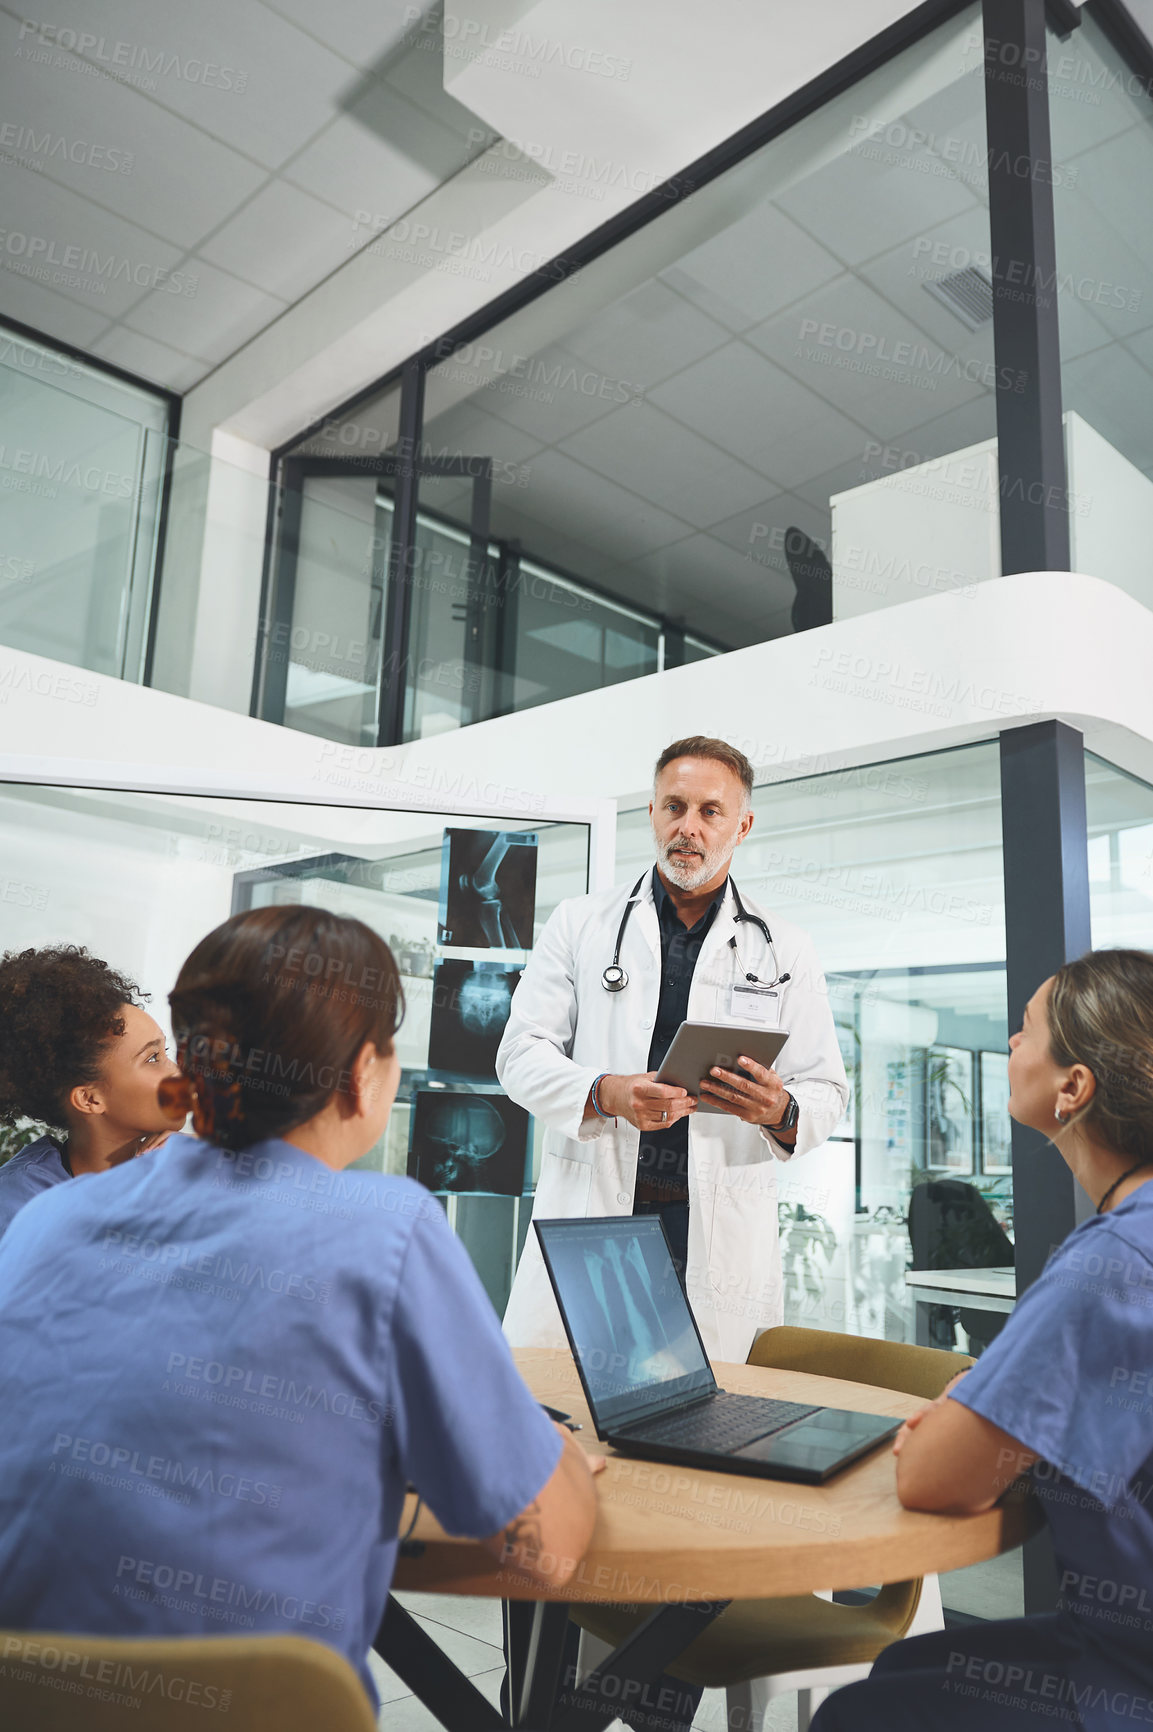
1071	1377
32	1169
220	1370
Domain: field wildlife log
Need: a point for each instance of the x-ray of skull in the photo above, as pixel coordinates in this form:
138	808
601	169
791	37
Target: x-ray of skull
468	1142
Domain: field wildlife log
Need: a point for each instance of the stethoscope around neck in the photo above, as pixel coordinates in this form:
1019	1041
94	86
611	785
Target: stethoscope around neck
615	978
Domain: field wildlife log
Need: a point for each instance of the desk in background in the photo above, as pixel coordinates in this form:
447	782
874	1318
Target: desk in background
974	1289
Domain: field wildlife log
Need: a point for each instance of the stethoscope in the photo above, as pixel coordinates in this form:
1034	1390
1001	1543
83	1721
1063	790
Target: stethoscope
615	979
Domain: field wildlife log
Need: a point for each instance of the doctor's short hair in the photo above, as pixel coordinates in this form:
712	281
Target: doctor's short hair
703	746
269	1013
1100	1014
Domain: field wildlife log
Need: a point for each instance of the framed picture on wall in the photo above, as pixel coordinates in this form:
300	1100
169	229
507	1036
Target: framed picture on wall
996	1125
949	1109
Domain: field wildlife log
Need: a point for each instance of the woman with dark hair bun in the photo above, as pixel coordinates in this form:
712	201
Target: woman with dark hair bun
222	1444
1064	1393
78	1052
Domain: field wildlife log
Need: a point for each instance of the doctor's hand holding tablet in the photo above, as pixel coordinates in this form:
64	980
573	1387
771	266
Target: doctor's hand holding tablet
651	1100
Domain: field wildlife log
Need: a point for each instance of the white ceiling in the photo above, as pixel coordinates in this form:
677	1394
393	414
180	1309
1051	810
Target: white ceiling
233	150
744	424
740	428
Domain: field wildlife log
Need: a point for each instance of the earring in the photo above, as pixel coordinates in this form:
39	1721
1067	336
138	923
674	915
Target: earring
1060	1117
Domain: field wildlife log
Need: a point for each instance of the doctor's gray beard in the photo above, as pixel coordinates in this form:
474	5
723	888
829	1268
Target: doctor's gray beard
707	864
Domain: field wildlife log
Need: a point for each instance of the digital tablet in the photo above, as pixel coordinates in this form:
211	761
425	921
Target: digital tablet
698	1046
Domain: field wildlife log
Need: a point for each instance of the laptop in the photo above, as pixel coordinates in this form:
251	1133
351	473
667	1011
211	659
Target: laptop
647	1379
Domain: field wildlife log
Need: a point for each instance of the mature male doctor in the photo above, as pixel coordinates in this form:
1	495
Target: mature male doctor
608	984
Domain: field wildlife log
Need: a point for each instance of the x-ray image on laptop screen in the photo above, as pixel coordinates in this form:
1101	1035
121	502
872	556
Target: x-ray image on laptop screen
627	1318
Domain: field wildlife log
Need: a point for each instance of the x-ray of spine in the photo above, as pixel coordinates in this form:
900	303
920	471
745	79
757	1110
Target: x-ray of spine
468	1142
470	1006
488	889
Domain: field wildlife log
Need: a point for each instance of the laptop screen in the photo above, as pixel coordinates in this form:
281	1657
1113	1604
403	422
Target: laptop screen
628	1321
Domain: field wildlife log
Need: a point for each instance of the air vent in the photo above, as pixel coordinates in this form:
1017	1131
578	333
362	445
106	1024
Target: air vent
968	293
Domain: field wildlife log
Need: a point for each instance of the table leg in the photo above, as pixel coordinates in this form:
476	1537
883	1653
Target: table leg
640	1660
431	1676
534	1703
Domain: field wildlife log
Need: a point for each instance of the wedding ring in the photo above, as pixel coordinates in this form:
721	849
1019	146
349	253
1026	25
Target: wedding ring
664	1116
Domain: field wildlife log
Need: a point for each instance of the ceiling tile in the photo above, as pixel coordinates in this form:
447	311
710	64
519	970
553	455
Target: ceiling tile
86	254
149	359
594	512
663	461
283	240
752	269
239	71
747	406
551	395
873	196
363	31
211	323
30	303
859	352
371	181
470	431
647	335
114	147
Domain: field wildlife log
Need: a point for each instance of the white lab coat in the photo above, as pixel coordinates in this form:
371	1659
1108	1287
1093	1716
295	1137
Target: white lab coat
565	1029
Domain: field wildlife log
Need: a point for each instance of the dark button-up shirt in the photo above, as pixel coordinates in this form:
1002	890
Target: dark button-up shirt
664	1155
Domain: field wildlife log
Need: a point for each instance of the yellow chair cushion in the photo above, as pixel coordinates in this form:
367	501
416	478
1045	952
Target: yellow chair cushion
65	1683
756	1638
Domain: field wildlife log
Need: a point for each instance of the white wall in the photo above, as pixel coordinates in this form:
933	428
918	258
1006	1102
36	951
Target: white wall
935	527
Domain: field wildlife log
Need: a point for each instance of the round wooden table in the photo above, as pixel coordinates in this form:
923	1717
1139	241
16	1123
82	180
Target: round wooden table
672	1535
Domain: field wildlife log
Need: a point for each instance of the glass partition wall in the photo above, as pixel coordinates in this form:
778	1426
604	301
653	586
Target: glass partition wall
1101	120
139	877
895	871
667	453
82	466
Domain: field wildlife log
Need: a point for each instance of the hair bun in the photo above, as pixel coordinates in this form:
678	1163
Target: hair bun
177	1096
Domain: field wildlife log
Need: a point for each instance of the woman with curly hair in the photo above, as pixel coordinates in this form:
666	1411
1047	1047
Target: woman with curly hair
79	1053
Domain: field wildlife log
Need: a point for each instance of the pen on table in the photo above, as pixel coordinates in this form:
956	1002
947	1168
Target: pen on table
565	1419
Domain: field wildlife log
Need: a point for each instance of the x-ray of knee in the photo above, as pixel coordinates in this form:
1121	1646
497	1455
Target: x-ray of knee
470	1006
467	1142
488	889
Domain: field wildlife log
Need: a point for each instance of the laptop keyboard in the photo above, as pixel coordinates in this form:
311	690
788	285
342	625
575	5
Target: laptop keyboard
724	1424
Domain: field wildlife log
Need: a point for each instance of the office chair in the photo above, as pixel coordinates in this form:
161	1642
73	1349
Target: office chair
51	1682
951	1226
813	576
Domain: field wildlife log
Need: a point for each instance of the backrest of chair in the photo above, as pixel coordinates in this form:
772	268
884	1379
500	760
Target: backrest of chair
923	1371
65	1683
951	1226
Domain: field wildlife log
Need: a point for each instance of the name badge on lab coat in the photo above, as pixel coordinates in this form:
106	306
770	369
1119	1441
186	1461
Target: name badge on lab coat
759	1004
